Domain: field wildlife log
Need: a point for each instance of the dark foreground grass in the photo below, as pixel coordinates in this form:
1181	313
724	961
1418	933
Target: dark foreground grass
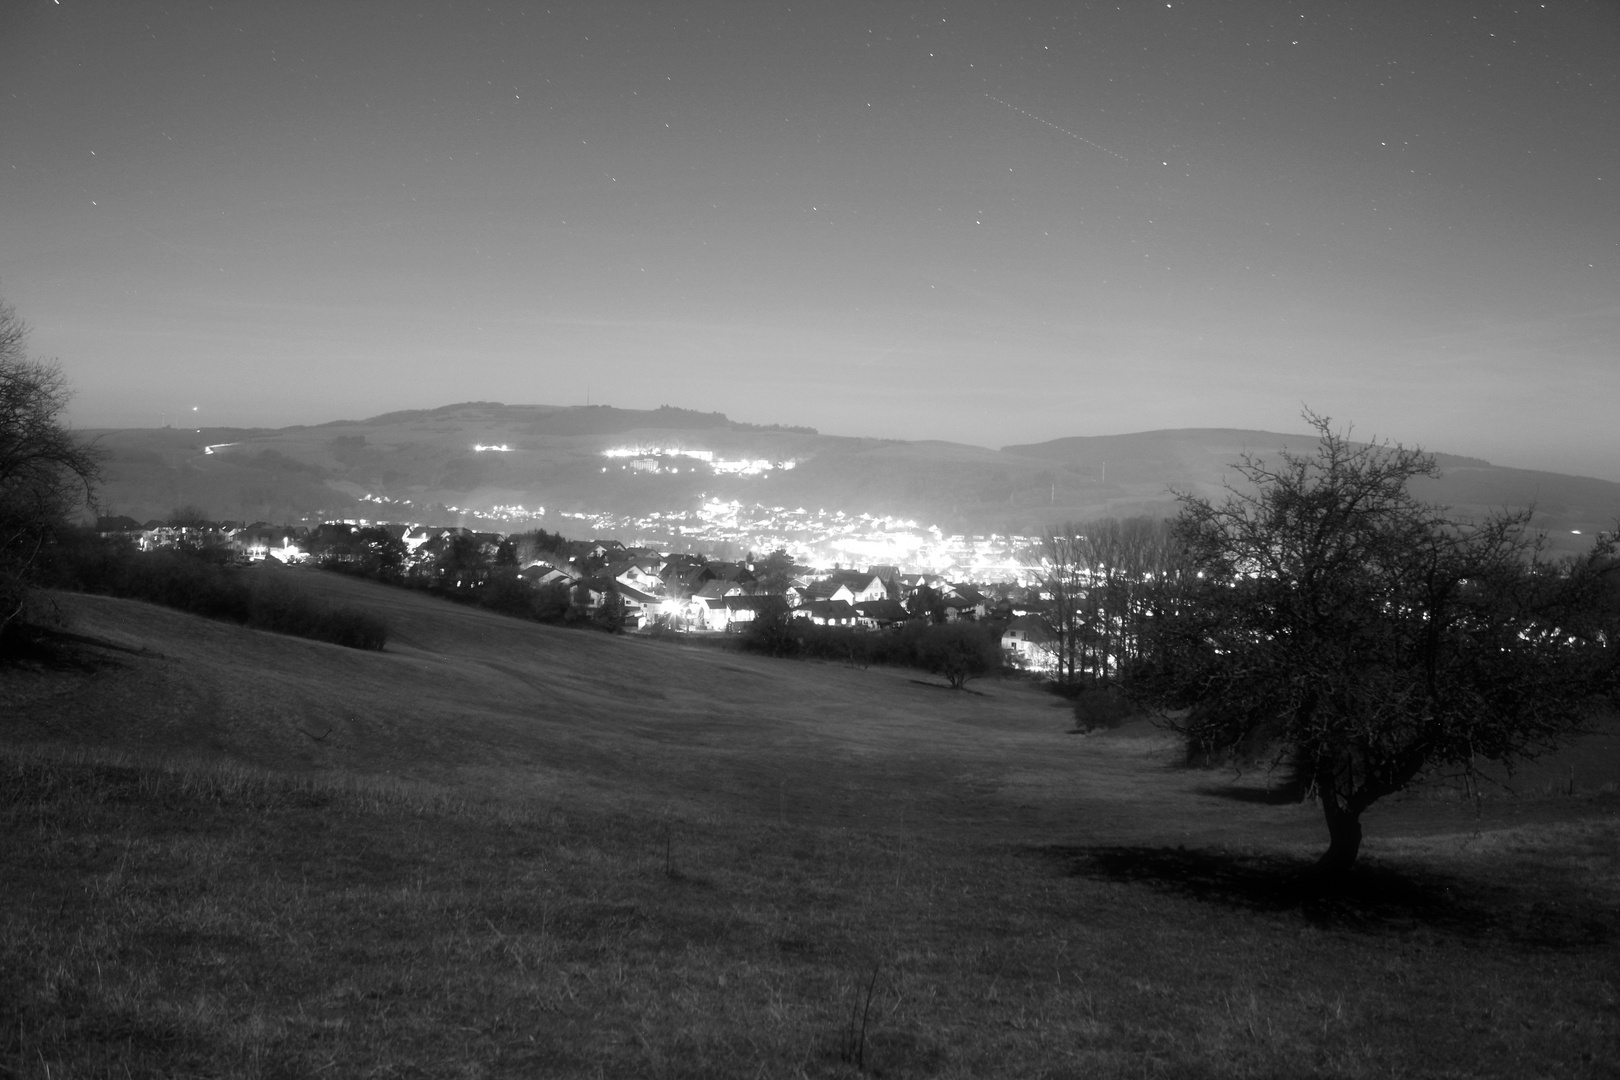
165	921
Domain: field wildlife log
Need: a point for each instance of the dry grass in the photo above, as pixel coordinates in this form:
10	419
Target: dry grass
527	852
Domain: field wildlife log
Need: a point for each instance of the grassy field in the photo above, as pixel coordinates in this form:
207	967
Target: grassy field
505	849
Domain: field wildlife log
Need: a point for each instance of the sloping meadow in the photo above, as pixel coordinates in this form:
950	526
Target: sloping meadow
595	869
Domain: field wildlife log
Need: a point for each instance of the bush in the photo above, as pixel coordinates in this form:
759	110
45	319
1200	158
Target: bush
194	583
771	632
959	651
1099	708
279	608
505	593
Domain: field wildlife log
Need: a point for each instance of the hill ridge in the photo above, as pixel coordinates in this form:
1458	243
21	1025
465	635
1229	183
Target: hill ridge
479	459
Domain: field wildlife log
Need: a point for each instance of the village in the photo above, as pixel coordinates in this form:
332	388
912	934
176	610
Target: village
645	589
817	535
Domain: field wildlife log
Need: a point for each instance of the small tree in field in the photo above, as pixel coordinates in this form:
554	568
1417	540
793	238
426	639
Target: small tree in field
45	472
1365	638
959	651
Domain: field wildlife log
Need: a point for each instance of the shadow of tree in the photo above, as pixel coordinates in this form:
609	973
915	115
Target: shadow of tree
47	648
1375	897
1280	795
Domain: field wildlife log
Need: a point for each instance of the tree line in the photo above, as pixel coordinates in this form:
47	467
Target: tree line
468	569
1104	581
956	651
196	579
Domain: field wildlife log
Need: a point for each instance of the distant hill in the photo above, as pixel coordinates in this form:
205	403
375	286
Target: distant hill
1201	456
1199	460
442	465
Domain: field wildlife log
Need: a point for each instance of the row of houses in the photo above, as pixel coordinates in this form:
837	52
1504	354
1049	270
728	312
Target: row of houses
687	592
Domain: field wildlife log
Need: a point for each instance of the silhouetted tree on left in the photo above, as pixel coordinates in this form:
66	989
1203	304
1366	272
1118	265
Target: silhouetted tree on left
46	473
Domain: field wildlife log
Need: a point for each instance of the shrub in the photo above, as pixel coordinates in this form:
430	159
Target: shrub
959	651
195	583
277	607
1098	707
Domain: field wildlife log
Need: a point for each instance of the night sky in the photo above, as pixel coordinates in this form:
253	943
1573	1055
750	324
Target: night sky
989	223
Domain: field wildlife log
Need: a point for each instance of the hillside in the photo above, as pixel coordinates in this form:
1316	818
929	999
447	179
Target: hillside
465	697
503	849
503	462
469	699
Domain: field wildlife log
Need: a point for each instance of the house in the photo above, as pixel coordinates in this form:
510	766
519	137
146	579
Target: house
594	592
639	607
700	608
826	590
705	609
717	589
965	602
651	554
682	578
539	573
280	542
907	586
741	610
1030	643
708	613
884	572
827	612
862	587
879	614
734	572
732	612
634	573
1015	599
416	536
680	563
605	550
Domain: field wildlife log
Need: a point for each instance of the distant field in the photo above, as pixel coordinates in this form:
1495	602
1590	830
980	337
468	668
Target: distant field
499	848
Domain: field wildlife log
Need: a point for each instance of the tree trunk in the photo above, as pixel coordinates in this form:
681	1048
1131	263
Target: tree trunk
1344	840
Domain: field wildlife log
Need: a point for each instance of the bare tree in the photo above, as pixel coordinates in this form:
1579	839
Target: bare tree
46	472
1066	567
1365	638
1102	577
1128	560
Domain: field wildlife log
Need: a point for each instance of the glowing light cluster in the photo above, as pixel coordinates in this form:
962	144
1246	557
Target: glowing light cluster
751	467
512	513
827	537
654	459
657	452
